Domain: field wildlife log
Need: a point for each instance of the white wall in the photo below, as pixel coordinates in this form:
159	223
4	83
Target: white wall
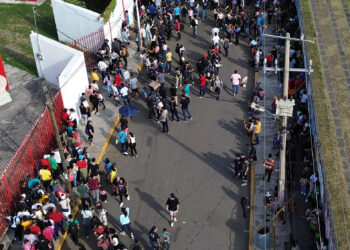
74	21
63	66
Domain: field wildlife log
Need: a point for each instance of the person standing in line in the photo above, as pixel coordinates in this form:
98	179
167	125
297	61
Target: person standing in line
73	229
173	92
87	216
173	110
122	190
218	87
154	238
83	190
133	86
124	92
93	185
236	80
178	77
172	206
164	119
257	130
269	165
185	100
226	45
125	222
132	145
150	105
94	101
168	61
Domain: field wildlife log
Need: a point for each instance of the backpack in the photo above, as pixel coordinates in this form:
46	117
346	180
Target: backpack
123	52
73	227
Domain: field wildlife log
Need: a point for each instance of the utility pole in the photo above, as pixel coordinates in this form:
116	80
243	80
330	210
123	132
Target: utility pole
285	108
58	140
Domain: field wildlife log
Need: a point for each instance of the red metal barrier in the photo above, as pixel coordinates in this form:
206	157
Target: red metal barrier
6	202
89	44
39	140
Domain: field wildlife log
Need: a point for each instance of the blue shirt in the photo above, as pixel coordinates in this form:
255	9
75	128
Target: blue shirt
32	182
122	136
177	11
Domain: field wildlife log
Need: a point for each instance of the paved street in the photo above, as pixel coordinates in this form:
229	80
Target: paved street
193	161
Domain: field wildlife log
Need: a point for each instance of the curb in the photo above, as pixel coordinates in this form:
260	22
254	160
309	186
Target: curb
100	156
63	237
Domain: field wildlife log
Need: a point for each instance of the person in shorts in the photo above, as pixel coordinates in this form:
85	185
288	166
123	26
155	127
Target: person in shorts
133	84
172	206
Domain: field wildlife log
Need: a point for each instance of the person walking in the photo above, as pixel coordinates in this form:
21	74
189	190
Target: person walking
165	236
269	165
226	45
94	101
89	131
125	222
218	87
164	119
257	130
123	142
132	145
194	24
154	238
124	92
122	189
178	77
202	85
185	100
150	105
172	206
87	220
236	80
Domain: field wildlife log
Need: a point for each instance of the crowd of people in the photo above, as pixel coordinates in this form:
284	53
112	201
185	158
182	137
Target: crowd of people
44	208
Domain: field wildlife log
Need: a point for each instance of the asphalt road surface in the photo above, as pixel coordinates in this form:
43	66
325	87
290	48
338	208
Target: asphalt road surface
194	161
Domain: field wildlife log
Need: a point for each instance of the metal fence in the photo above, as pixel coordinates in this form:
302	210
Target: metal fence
317	150
89	44
26	160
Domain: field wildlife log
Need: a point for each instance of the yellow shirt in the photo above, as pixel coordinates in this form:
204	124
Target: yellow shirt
42	199
45	175
113	175
258	128
168	56
26	224
94	76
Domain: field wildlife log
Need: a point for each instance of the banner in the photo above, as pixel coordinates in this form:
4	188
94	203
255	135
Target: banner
4	85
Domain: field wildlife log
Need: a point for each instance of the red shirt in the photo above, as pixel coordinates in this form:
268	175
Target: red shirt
56	216
100	230
202	81
48	233
35	230
118	80
93	184
82	164
45	162
65	116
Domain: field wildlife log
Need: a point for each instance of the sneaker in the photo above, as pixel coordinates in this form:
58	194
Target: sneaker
191	118
132	236
105	201
136	156
97	113
121	204
200	97
244	184
175	219
172	224
125	153
122	233
128	198
307	200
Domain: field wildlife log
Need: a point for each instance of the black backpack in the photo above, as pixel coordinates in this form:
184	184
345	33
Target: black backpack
73	227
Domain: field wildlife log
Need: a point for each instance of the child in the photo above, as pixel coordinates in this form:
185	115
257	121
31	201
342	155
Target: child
165	239
103	194
303	183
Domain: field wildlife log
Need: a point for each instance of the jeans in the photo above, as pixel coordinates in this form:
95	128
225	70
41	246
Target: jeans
58	227
247	33
96	195
124	147
202	90
86	199
164	54
174	114
165	126
205	14
268	172
235	89
186	111
75	179
144	42
128	226
87	226
303	189
168	66
256	138
121	196
217	90
126	100
154	245
216	71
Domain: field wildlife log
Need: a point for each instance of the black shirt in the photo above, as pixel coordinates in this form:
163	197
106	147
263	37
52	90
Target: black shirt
94	169
173	91
153	236
172	204
123	123
184	103
88	128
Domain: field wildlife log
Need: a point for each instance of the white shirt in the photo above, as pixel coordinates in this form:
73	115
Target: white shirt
58	156
190	13
102	65
143	32
126	74
124	91
215	30
95	86
132	139
216	39
73	116
235	78
165	47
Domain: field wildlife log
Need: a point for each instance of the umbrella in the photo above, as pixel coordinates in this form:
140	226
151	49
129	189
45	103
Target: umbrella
128	111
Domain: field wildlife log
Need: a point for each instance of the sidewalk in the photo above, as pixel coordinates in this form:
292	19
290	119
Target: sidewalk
262	215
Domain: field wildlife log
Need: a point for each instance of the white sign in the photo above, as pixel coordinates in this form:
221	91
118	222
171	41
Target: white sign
284	108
